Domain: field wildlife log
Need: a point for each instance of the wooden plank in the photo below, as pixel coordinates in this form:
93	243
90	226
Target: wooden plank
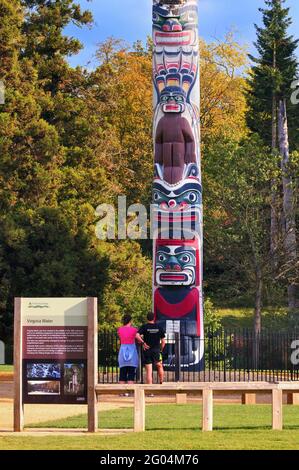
92	364
242	386
293	398
288	386
139	410
207	410
18	379
181	398
249	398
246	387
277	409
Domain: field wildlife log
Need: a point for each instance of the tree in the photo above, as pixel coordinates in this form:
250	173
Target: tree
269	105
10	38
123	95
272	74
29	145
236	220
289	229
223	103
46	44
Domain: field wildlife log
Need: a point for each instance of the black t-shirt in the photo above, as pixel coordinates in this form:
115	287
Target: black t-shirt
152	334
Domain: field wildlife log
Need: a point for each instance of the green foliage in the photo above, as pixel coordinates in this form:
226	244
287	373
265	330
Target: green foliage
237	215
274	70
128	288
212	318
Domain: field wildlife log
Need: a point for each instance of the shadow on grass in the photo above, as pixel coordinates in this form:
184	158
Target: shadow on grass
171	418
215	428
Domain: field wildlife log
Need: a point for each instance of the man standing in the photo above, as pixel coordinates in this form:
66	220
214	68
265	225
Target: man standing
152	336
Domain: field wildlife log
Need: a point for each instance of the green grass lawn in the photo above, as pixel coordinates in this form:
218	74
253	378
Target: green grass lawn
175	427
6	368
275	318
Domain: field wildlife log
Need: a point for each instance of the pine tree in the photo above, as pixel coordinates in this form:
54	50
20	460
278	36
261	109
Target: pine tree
274	71
46	44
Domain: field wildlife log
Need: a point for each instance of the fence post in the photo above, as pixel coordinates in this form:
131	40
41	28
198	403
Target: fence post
177	353
181	398
139	409
224	354
277	409
293	398
248	399
207	410
256	350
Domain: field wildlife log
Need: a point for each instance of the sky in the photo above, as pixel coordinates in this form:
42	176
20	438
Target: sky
131	20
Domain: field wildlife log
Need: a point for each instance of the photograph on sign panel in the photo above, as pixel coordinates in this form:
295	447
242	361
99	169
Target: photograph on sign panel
43	371
74	379
44	387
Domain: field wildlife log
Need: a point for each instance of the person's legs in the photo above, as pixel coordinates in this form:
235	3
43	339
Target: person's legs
160	371
123	375
149	373
131	375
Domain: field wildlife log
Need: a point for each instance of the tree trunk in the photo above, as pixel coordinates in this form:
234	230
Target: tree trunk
290	242
258	302
274	234
257	318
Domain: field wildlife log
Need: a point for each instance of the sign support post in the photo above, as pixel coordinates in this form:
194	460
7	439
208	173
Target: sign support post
92	351
18	372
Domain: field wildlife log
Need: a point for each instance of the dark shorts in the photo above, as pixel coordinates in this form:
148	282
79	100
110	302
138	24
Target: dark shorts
152	356
127	374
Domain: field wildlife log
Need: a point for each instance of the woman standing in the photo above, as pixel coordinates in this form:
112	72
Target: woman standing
127	356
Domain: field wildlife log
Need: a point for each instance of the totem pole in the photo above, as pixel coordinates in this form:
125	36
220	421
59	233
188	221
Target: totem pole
177	190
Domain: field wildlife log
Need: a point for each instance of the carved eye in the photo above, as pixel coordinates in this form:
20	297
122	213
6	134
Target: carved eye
156	196
155	17
164	99
185	258
179	99
162	258
192	197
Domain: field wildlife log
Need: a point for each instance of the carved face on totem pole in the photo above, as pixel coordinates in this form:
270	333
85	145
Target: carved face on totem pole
175	263
173	100
174	23
177	209
182	199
